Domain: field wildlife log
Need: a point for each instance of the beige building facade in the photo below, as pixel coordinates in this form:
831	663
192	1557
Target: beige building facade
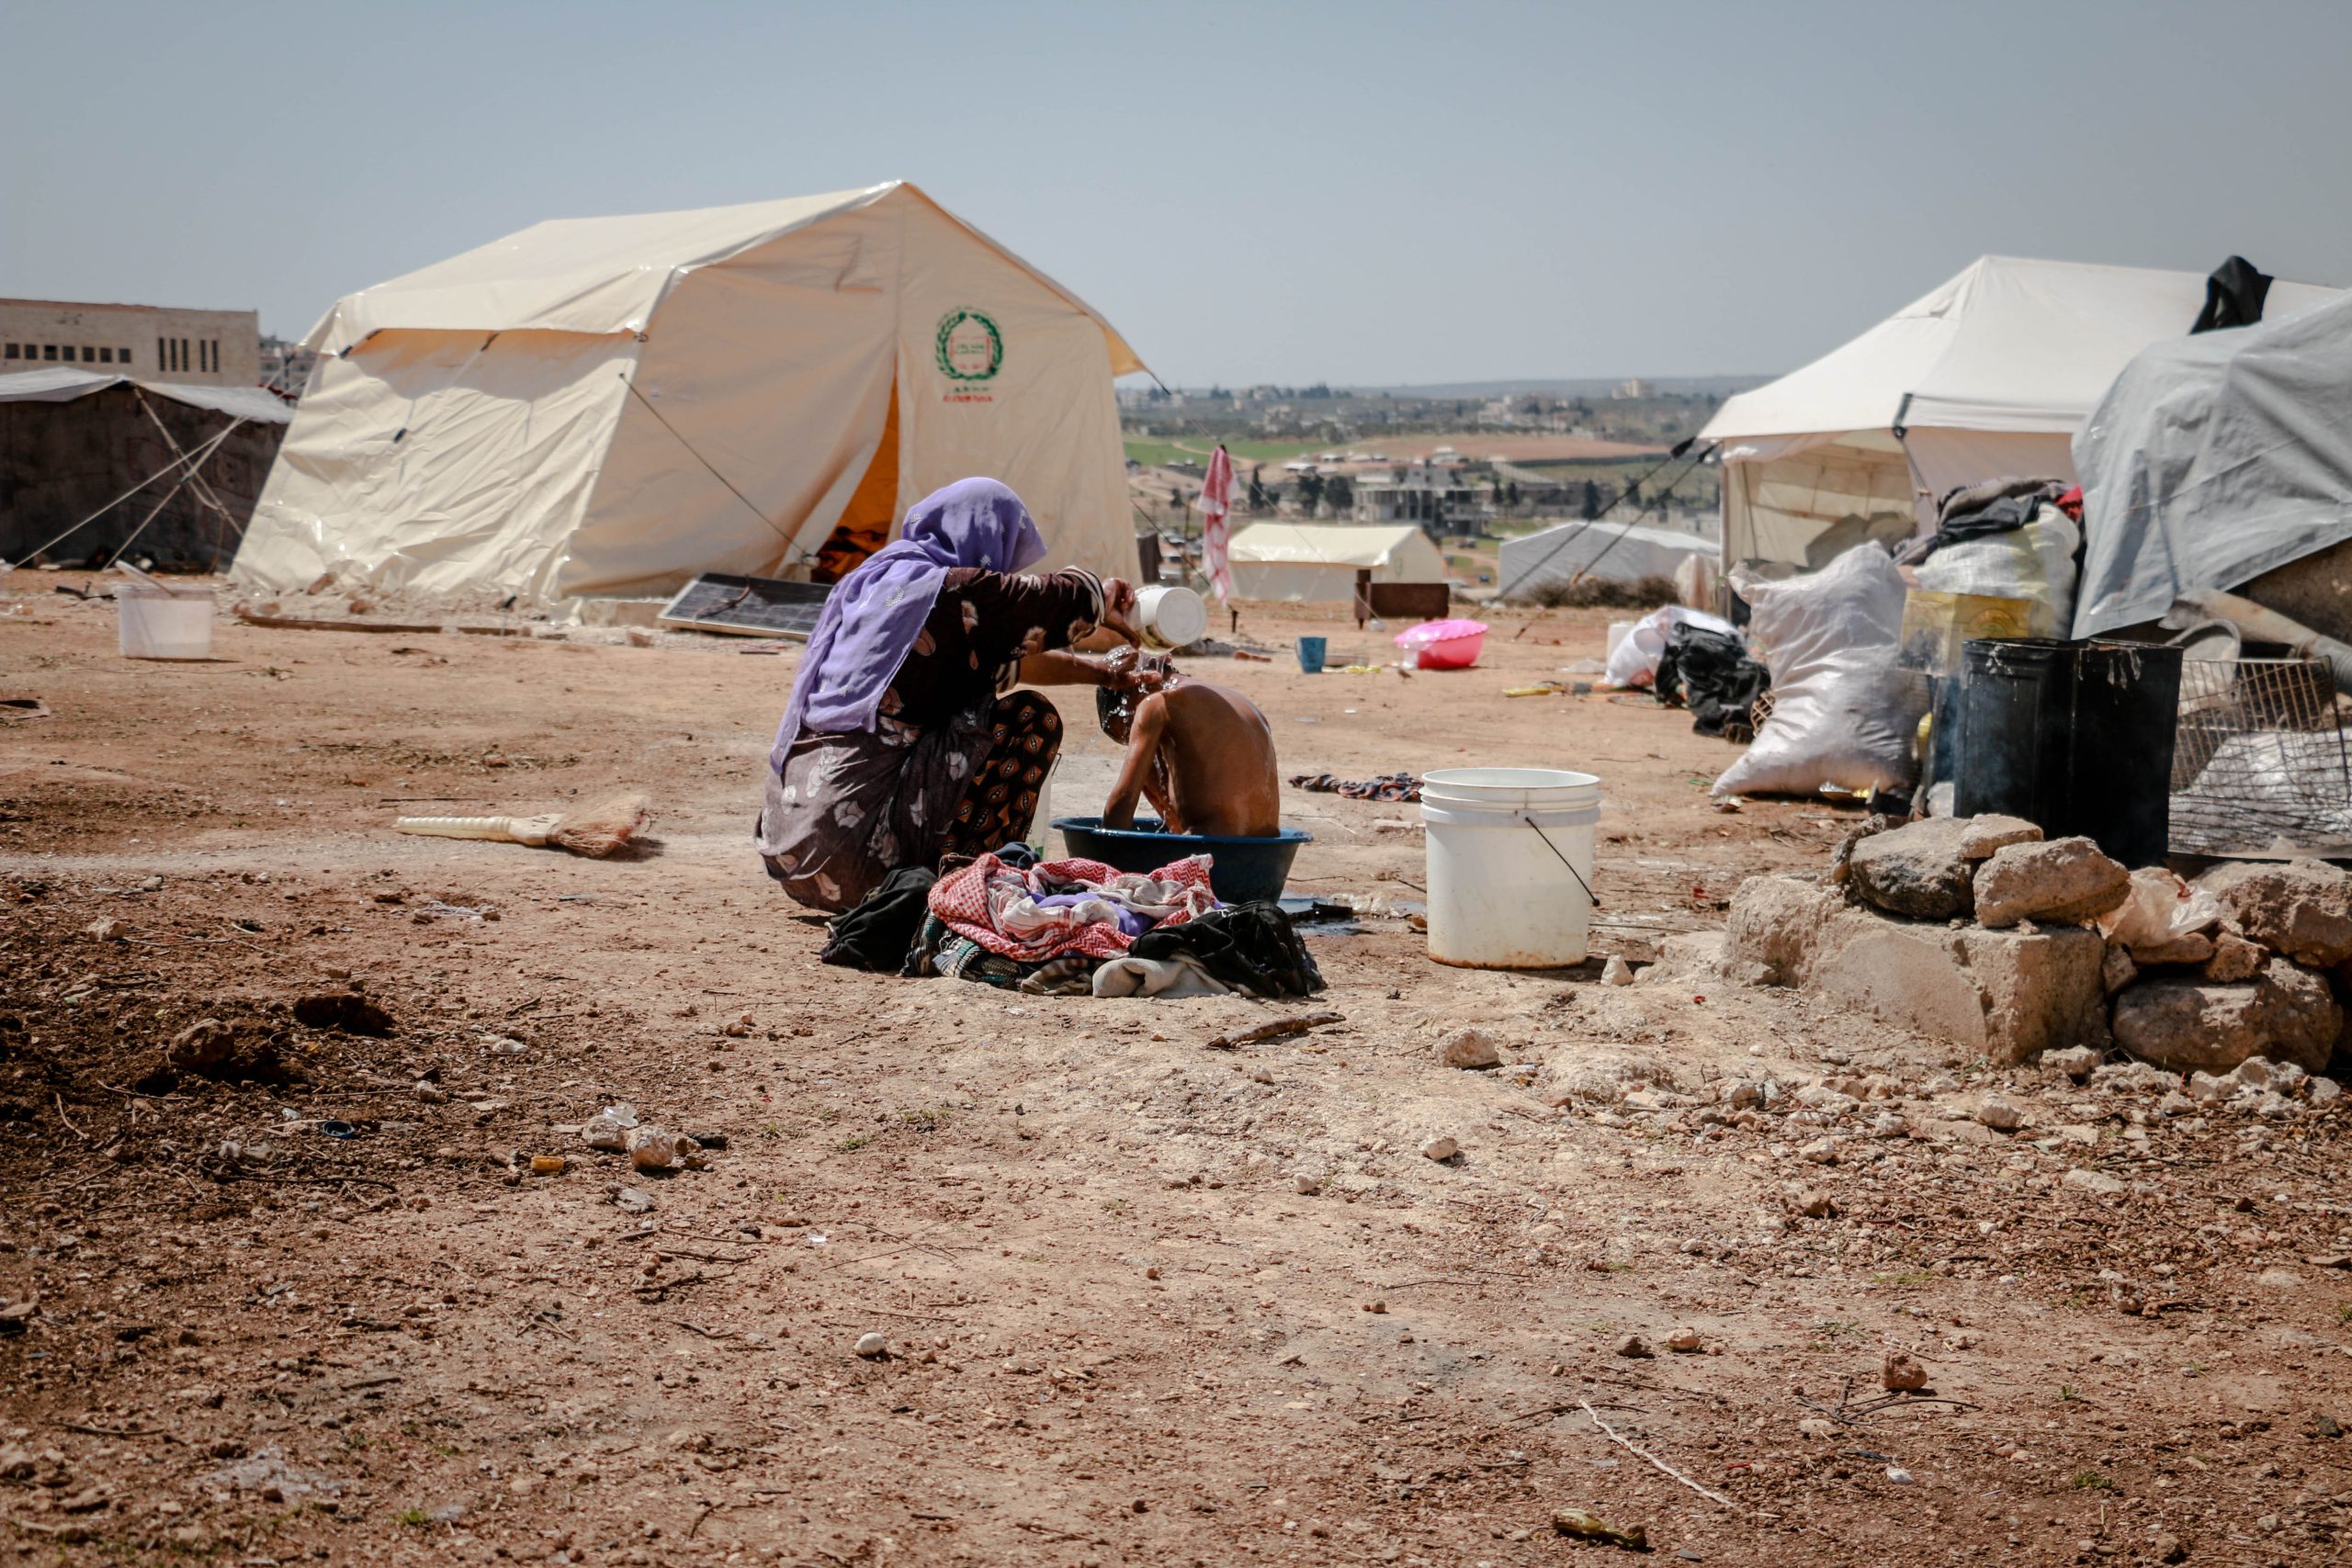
205	348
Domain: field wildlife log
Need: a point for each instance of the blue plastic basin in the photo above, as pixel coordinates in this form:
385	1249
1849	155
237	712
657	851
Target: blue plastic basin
1241	871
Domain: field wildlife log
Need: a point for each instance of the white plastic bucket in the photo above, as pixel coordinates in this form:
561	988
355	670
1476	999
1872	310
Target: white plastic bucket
1509	867
1171	616
1618	632
162	623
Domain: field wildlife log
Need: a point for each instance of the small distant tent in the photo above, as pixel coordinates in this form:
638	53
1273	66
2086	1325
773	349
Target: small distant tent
1612	552
1990	375
1316	562
182	465
2214	459
611	405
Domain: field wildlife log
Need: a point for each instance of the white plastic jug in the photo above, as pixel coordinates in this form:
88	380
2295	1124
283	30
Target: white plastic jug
1171	615
1618	632
1509	866
161	622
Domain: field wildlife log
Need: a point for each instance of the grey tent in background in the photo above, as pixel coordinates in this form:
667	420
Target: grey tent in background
2219	459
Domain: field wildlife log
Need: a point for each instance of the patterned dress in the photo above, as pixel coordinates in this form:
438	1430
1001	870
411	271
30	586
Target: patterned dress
956	757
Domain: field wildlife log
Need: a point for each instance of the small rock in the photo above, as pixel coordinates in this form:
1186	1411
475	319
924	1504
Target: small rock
609	1128
1634	1346
632	1200
2000	1116
2278	1280
1616	972
2323	1092
2169	1549
2234	958
104	928
1821	1151
1685	1342
1889	1124
873	1346
2286	1014
1900	1374
2190	947
2095	1182
1817	1206
1470	1048
2301	908
2117	970
2076	1062
2063	880
1306	1183
1982	836
2126	1297
1815	1426
1440	1149
1899	1475
1915	870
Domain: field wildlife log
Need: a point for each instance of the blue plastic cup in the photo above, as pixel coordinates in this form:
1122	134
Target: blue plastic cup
1310	655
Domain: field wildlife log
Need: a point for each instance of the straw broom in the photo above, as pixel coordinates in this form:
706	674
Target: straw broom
598	830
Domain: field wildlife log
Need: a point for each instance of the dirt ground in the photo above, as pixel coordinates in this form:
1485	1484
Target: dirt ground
301	1297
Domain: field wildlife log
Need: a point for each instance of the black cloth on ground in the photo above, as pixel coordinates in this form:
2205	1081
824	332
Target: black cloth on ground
877	934
1711	673
1251	947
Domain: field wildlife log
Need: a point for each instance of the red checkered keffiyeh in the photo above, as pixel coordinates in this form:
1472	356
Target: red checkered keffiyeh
994	905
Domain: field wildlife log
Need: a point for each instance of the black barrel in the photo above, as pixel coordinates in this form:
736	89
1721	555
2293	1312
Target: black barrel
2075	738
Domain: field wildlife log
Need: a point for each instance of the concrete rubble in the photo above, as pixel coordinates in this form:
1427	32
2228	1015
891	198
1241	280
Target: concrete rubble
1977	932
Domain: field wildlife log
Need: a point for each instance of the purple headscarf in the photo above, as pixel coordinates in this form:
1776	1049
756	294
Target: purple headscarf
875	613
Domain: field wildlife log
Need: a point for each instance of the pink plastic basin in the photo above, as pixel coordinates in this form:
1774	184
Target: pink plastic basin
1444	645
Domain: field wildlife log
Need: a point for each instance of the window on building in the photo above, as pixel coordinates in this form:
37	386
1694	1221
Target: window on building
105	357
66	354
122	356
48	351
183	354
11	353
89	354
161	361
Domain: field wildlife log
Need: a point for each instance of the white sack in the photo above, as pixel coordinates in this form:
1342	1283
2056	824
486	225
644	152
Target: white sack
2035	563
1842	713
1634	663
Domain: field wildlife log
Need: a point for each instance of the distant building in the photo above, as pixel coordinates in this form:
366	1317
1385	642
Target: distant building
1636	388
205	348
1436	496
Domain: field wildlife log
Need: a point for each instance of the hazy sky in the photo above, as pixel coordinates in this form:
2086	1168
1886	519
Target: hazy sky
1368	193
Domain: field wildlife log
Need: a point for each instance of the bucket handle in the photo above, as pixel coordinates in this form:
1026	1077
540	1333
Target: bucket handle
1590	896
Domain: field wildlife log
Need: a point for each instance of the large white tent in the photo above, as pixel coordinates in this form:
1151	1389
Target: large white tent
1612	552
611	405
1990	375
1317	562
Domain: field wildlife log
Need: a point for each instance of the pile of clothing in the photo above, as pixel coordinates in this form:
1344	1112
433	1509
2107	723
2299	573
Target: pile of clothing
1386	786
1714	675
2008	539
1074	927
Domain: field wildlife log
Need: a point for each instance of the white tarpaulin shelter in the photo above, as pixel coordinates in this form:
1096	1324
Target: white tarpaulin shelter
1317	562
611	405
1613	552
1990	375
2213	459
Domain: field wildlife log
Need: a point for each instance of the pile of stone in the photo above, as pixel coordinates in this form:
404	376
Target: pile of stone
1978	931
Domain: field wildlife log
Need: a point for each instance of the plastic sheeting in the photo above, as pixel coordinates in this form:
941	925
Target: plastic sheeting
1615	552
2213	459
1989	374
63	386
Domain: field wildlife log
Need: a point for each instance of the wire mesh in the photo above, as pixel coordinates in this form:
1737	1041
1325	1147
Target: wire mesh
2259	763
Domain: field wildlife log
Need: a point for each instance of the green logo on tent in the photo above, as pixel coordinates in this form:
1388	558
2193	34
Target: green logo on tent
970	348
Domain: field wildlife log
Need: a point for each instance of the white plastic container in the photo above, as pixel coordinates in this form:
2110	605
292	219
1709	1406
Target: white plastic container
163	622
1618	632
1509	867
1171	616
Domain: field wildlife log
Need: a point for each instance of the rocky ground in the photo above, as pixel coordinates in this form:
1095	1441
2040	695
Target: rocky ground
287	1285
